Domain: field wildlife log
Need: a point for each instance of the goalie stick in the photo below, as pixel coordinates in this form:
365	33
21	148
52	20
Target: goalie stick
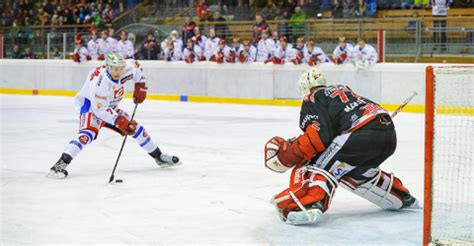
403	104
121	148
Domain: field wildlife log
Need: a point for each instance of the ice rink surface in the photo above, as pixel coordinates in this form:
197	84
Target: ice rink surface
220	195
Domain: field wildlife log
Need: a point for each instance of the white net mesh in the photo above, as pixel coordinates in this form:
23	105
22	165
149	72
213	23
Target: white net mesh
453	157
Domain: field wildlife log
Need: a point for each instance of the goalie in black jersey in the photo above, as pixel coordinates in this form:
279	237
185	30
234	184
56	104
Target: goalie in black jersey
346	138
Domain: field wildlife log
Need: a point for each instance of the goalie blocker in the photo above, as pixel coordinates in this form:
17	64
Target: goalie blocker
345	139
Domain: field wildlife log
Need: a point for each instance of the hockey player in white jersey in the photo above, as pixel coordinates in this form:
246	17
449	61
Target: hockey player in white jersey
343	53
314	55
223	54
98	102
284	54
248	54
193	52
364	55
171	53
265	47
81	54
93	45
125	46
211	44
199	39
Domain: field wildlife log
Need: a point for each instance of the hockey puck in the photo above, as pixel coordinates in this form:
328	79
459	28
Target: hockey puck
118	181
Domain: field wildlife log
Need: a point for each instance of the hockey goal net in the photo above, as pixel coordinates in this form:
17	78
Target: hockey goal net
449	156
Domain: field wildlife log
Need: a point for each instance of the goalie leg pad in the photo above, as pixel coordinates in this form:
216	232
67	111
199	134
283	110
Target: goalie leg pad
308	197
384	190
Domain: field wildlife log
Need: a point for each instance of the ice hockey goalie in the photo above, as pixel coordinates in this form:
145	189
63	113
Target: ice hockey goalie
345	139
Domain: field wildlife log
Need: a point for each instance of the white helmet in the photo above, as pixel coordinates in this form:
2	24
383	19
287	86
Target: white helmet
114	60
309	79
174	35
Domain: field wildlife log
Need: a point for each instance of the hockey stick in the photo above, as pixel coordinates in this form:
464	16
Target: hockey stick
403	104
121	148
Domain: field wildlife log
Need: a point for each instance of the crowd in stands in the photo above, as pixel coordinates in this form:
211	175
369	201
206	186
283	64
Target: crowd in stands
61	12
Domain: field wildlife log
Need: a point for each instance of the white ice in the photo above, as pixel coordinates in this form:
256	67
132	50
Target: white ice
220	195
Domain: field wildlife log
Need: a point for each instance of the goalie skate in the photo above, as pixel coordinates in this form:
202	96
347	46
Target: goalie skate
313	215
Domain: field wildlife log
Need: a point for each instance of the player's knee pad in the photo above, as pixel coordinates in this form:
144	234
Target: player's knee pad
384	190
86	136
309	195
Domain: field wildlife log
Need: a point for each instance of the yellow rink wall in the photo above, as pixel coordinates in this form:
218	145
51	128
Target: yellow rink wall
201	99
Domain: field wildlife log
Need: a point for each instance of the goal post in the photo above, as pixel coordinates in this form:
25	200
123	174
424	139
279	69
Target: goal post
449	156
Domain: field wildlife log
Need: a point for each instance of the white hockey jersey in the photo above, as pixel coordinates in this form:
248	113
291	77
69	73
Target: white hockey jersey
343	55
287	55
112	44
82	52
172	55
101	94
247	56
197	51
93	48
125	48
368	53
221	55
178	44
211	46
316	52
103	47
200	41
266	49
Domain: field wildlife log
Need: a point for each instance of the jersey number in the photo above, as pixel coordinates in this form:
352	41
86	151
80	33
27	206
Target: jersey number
341	94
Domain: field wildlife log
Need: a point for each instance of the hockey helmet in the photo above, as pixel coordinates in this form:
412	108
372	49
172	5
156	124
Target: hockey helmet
310	79
114	60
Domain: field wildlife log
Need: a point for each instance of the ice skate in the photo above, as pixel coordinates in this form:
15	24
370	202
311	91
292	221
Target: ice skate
165	160
58	171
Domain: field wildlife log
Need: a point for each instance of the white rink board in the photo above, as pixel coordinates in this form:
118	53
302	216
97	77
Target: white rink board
388	83
220	195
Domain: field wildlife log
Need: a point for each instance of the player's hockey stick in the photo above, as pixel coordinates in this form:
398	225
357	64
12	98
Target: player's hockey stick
121	148
403	104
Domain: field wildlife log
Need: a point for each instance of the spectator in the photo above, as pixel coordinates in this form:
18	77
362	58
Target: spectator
348	9
27	54
258	27
361	9
188	29
421	4
16	53
270	10
283	27
338	9
125	46
202	10
439	12
297	27
290	5
55	55
407	4
149	49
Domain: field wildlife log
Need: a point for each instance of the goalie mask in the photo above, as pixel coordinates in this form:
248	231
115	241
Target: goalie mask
309	79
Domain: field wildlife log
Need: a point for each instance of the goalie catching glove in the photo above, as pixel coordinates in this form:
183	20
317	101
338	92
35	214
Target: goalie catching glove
281	154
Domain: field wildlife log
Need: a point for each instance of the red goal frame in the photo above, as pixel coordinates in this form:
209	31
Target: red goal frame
429	132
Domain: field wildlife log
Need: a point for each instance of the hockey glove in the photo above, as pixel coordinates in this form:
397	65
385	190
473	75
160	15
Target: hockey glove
281	155
126	126
139	94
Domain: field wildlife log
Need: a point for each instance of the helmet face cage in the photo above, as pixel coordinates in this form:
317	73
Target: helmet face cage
309	79
114	60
